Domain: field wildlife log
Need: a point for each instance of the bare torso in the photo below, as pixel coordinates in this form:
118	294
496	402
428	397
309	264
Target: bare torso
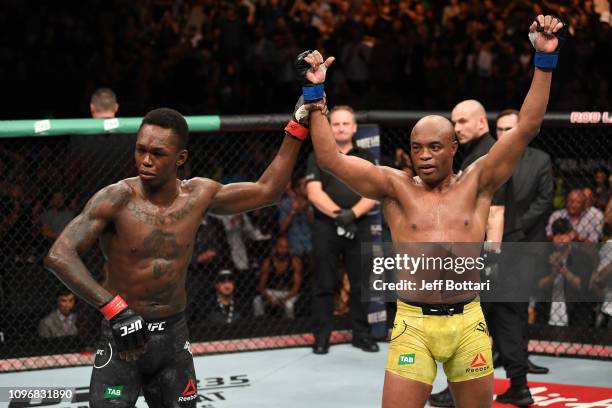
455	214
147	248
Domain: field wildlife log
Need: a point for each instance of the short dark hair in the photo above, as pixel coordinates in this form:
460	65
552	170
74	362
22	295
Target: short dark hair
104	99
64	292
506	112
168	119
561	226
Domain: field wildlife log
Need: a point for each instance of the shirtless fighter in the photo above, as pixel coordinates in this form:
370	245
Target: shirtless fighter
147	226
439	206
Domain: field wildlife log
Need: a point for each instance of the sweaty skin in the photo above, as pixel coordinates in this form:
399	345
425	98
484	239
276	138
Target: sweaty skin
147	225
436	206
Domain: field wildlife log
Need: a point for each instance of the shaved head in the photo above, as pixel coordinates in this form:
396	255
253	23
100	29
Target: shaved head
434	125
470	120
472	107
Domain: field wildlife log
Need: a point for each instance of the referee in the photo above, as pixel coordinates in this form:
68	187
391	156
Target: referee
339	229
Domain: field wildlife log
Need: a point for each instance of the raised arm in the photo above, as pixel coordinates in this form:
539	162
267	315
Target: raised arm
240	197
64	258
501	161
363	177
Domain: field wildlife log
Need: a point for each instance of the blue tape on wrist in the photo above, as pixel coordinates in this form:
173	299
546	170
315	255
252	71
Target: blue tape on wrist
313	93
544	60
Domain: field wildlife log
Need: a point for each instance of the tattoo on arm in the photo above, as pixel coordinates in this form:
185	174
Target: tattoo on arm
78	236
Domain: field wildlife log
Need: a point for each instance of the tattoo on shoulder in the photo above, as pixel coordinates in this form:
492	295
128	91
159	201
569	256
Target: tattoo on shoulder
117	196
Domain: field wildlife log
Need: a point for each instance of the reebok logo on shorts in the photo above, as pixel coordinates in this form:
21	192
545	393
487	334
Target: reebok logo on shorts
478	364
406	359
113	392
189	393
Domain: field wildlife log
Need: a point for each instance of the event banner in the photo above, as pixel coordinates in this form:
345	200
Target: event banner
368	137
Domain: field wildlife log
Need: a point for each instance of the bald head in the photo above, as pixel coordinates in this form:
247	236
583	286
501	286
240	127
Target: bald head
470	120
434	125
472	107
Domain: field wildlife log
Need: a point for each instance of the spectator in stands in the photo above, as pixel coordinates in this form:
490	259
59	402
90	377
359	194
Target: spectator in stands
237	229
211	250
341	301
567	282
225	308
296	217
586	222
10	209
103	104
210	52
601	193
62	321
56	217
280	280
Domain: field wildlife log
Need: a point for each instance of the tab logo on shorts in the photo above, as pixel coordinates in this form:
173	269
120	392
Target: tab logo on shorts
159	326
406	359
113	392
190	392
478	364
187	347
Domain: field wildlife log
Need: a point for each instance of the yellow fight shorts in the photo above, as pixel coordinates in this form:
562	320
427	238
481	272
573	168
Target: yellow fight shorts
459	340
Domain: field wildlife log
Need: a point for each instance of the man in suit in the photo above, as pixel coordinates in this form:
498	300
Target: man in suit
532	183
532	191
62	321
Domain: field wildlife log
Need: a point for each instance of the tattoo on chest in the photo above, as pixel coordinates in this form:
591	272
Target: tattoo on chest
160	219
163	246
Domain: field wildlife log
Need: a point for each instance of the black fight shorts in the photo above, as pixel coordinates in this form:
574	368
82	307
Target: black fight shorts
164	373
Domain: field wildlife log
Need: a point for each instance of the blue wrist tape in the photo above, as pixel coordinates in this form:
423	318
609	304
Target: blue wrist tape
313	93
544	60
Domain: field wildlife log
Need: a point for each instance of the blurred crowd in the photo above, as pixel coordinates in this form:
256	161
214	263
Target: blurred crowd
210	56
213	56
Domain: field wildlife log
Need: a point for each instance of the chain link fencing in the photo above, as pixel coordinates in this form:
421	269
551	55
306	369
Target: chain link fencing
45	181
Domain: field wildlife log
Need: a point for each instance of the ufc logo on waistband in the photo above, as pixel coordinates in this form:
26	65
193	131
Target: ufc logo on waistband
131	328
159	326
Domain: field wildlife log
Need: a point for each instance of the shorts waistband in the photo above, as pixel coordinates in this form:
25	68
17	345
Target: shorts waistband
158	325
442	309
169	319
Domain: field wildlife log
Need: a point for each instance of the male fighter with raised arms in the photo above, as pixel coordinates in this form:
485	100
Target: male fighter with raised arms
438	206
147	226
